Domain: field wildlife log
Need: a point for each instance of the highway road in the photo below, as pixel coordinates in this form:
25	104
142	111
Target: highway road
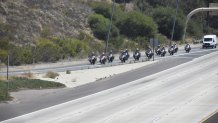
180	88
83	65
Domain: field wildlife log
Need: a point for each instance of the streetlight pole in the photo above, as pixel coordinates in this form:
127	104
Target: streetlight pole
194	12
174	22
109	31
7	66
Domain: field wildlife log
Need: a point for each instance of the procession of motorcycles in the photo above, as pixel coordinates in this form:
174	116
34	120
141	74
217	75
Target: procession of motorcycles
124	54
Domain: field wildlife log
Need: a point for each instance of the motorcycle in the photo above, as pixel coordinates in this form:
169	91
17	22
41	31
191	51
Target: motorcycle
171	51
149	54
163	53
126	56
122	58
158	51
102	59
110	58
187	48
176	49
92	59
136	56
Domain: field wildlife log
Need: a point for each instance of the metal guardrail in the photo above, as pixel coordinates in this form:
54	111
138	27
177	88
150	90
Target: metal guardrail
197	41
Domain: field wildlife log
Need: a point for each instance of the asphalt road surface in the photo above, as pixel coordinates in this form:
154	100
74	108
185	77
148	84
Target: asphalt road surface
212	119
81	66
142	95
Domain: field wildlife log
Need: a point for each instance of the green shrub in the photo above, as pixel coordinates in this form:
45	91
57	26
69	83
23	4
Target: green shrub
47	51
72	47
105	9
99	25
68	72
102	8
4	95
46	32
195	29
4	44
135	24
142	42
20	55
117	42
24	83
15	56
75	47
27	55
3	55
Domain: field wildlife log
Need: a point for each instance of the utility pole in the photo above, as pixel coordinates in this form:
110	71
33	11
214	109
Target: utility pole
7	66
153	49
7	75
109	31
174	22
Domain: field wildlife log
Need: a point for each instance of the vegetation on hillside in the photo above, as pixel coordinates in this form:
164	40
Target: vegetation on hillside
46	50
134	23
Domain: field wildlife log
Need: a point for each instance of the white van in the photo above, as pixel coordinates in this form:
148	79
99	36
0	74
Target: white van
209	41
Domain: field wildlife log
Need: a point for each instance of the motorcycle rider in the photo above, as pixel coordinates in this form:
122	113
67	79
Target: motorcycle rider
92	58
102	58
171	50
187	47
163	51
149	53
122	56
137	54
158	50
175	47
110	56
127	54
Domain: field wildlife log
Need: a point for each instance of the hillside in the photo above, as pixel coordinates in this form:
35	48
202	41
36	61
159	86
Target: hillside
52	30
29	20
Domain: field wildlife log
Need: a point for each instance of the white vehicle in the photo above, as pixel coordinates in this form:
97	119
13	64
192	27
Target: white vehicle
209	41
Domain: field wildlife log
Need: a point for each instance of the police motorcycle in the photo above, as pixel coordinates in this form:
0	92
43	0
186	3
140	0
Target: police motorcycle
110	57
102	58
126	54
137	55
92	58
171	50
175	47
149	53
158	50
162	52
187	48
122	57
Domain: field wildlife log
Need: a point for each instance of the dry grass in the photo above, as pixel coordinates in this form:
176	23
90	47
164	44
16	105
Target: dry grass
28	75
3	78
51	74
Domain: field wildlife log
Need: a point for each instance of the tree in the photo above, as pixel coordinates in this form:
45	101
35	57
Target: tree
135	24
164	17
105	9
47	51
100	25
